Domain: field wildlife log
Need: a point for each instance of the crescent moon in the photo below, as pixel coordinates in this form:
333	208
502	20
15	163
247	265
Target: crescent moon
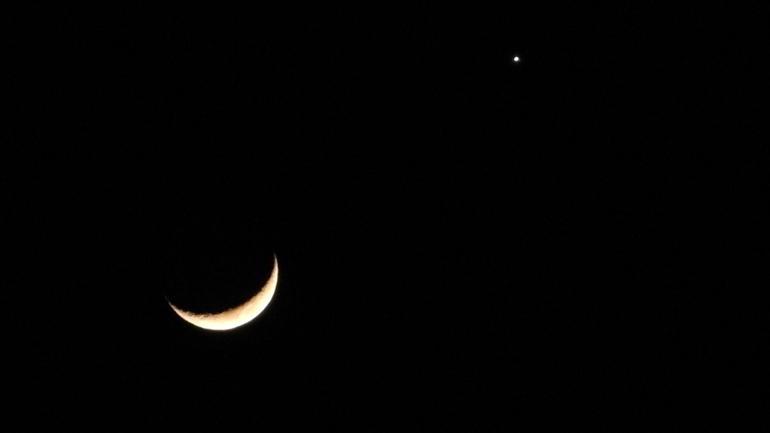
237	316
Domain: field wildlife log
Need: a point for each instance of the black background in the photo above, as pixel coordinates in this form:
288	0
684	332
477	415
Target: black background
464	241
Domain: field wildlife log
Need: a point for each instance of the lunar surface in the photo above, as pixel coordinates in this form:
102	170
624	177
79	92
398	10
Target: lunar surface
237	316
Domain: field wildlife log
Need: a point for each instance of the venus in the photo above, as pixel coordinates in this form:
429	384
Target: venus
236	316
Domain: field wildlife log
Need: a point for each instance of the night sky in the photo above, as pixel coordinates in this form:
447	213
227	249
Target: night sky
465	241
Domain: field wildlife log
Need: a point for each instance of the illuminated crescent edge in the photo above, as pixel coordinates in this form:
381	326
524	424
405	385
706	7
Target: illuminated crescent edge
236	316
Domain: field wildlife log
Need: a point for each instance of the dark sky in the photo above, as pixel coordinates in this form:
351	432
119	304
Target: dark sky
465	242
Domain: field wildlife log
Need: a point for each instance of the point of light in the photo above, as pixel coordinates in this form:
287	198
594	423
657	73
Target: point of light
516	59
